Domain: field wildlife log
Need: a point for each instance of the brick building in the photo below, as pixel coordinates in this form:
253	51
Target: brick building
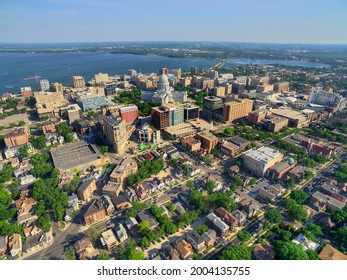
95	212
17	137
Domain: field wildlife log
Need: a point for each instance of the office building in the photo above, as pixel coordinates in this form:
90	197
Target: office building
258	161
116	133
295	118
101	78
56	87
110	88
129	114
49	103
212	103
281	86
208	140
86	189
74	113
78	82
93	99
167	115
256	116
237	109
219	91
191	111
238	88
44	85
148	135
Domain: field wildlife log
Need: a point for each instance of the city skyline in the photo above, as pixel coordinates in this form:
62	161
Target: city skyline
53	21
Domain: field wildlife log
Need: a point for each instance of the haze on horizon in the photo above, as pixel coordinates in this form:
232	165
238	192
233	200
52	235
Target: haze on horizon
267	21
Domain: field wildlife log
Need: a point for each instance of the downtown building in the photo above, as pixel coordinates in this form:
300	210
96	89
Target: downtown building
116	133
237	109
167	115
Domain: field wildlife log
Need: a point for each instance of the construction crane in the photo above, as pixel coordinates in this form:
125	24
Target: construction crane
36	77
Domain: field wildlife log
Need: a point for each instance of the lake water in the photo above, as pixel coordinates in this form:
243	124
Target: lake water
59	67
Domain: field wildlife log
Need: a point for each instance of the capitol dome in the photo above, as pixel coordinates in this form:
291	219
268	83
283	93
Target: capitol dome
163	84
291	160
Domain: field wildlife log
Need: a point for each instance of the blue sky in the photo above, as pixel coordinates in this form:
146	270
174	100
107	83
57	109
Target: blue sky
279	21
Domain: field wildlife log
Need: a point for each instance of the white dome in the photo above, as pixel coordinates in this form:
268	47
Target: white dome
163	84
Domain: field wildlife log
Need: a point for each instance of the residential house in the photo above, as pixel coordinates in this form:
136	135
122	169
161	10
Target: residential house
145	215
121	232
241	216
263	252
196	240
141	192
227	217
85	249
305	243
108	239
184	249
108	204
86	190
251	209
209	237
179	208
3	244
331	253
217	224
15	244
130	223
121	202
130	194
112	189
169	253
95	212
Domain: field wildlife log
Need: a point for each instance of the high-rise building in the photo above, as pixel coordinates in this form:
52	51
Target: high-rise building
129	113
116	133
219	91
56	87
110	88
238	87
190	111
176	115
237	109
101	78
74	113
44	85
281	86
212	103
160	117
78	81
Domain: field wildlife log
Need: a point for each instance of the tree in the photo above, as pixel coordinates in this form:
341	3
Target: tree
228	131
288	203
5	198
45	222
312	255
21	123
104	149
185	167
69	253
40	208
253	181
143	226
130	252
290	183
273	216
237	252
24	151
103	256
190	184
287	250
339	216
201	229
144	242
214	152
315	229
341	236
299	196
298	213
308	174
244	236
39	142
210	186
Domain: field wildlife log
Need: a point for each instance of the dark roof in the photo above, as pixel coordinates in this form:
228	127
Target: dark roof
237	140
144	215
95	207
119	199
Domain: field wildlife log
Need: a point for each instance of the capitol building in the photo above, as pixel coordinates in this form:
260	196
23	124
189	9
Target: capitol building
164	94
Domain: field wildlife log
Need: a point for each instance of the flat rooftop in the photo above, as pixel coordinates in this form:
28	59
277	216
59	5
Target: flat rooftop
183	128
263	154
74	154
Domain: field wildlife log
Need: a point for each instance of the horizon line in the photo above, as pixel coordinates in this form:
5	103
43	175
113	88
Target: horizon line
174	41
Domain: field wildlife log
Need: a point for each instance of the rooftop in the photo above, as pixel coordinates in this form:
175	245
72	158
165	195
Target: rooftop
263	154
74	154
95	207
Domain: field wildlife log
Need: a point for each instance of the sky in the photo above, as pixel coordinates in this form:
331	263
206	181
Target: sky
268	21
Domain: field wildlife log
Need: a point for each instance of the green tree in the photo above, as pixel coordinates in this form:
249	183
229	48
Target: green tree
104	256
190	184
287	250
253	181
24	151
308	174
131	253
273	216
298	213
299	196
228	131
237	252
40	208
244	236
104	149
144	242
341	236
210	186
45	222
290	183
201	229
69	253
